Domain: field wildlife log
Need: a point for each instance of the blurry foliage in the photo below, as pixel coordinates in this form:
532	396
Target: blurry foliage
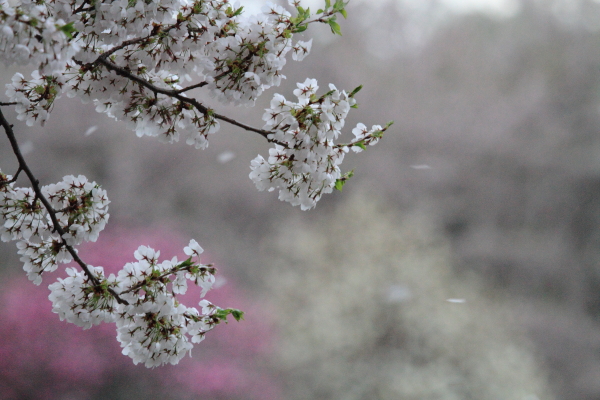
370	309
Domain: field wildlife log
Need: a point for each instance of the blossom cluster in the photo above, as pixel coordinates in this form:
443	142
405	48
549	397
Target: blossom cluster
304	164
152	326
81	212
31	34
163	43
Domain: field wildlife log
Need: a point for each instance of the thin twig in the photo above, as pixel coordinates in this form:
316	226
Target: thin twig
186	89
145	38
172	271
126	43
51	212
8	104
201	84
14	178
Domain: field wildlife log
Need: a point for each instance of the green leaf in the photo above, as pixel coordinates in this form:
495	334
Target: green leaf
237	314
360	144
339	5
335	27
233	13
344	13
327	4
328	94
197	7
320	11
339	184
300	28
67	29
221	314
239	11
186	263
356	90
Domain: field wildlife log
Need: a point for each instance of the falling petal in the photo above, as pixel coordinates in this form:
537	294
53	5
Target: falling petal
91	130
420	166
226	156
27	147
398	294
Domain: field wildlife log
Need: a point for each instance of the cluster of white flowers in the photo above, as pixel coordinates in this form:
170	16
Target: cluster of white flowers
163	43
81	301
138	61
153	327
34	97
31	34
304	164
81	211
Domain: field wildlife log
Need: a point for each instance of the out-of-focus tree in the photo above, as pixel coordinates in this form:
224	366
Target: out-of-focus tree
371	309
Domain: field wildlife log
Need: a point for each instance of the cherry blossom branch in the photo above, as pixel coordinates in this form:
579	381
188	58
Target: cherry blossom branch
184	266
201	84
35	184
188	88
177	95
366	140
155	32
124	44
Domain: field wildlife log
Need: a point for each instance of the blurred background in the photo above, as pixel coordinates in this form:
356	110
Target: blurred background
462	261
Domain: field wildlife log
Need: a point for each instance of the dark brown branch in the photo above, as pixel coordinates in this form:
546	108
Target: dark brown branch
81	8
104	60
187	89
145	38
201	84
175	94
126	43
8	104
51	212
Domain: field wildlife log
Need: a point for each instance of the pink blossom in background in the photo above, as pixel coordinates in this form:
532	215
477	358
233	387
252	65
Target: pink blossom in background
35	347
44	358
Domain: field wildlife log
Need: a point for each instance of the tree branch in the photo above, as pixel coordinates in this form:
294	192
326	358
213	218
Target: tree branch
51	212
186	89
177	95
